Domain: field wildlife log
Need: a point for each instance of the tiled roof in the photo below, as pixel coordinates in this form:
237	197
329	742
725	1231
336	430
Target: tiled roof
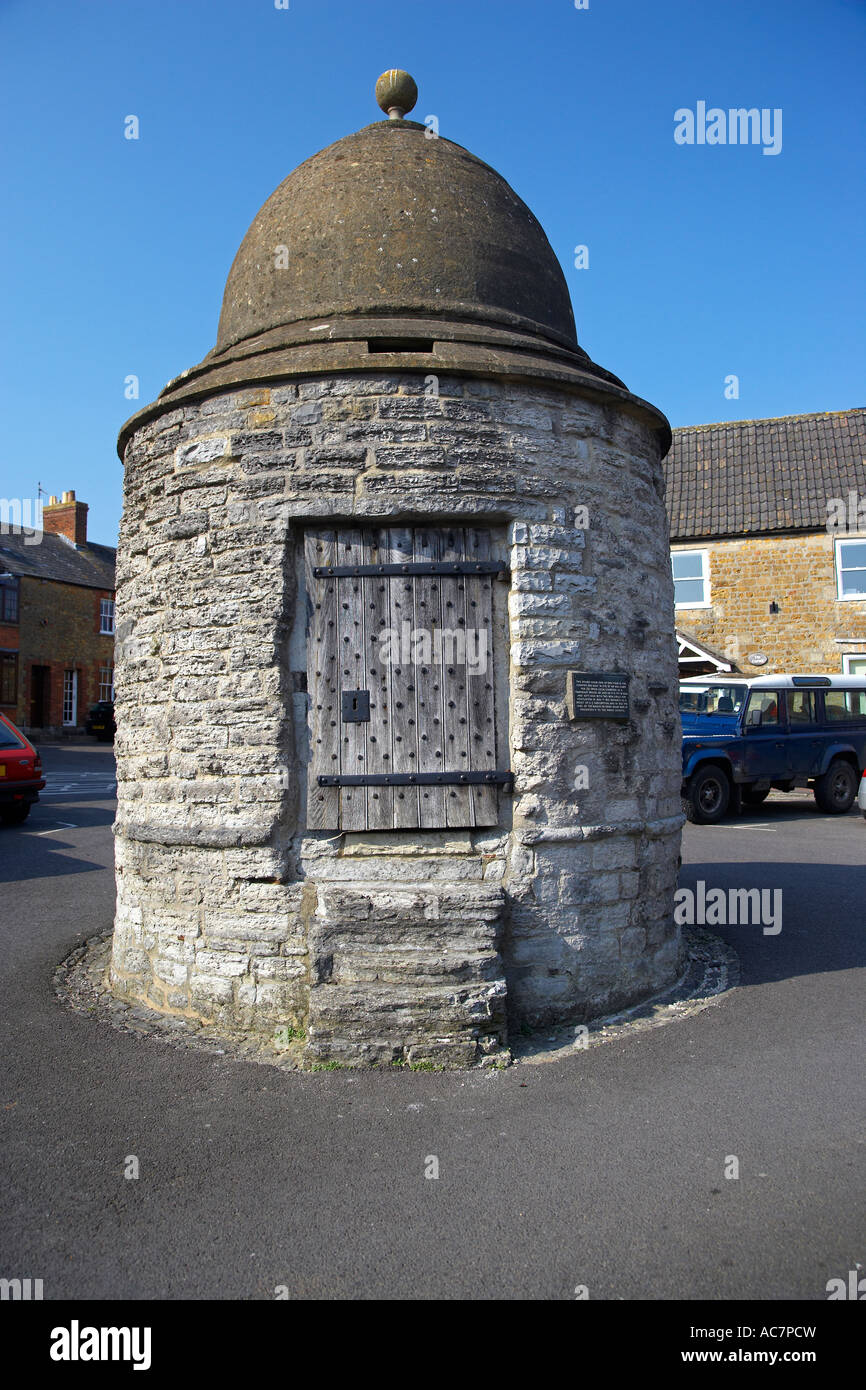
759	477
54	558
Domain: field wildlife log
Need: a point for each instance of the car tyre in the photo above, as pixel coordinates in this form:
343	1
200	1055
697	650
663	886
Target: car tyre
707	796
753	796
15	815
836	790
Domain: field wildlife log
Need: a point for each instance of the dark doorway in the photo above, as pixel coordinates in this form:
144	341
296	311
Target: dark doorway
40	691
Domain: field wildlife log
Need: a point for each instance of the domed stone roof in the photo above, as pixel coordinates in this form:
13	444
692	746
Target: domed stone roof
390	222
396	250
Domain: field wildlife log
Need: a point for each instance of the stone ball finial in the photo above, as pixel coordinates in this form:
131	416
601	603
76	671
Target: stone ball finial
396	93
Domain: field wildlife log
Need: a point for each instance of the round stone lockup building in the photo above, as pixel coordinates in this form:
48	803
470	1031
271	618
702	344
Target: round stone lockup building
398	742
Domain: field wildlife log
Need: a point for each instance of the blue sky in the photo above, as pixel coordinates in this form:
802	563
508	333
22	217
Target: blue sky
704	261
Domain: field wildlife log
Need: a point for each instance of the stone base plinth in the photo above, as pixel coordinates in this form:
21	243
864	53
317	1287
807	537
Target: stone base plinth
409	974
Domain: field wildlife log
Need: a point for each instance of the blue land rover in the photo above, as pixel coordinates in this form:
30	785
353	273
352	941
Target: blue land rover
743	737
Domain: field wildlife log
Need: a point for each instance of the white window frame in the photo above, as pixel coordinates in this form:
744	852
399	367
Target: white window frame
705	577
848	657
106	617
106	684
70	699
840	597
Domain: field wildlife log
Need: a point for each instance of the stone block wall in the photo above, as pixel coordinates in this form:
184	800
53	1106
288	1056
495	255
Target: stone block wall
413	945
812	630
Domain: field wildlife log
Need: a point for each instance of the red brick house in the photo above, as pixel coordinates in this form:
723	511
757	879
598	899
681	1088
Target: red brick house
56	621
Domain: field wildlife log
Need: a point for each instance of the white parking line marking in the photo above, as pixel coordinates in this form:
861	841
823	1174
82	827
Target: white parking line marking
76	788
770	829
64	825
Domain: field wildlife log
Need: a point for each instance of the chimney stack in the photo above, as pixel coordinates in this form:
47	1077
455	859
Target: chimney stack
66	518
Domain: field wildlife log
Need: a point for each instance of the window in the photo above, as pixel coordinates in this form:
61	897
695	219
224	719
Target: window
8	600
70	697
8	678
9	738
691	570
711	699
851	569
106	682
801	707
854	663
106	616
844	705
763	709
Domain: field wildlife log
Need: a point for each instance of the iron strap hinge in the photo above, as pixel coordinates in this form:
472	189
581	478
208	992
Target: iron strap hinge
417	779
410	568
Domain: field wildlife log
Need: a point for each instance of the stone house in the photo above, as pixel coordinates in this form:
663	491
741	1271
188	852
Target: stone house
768	544
56	621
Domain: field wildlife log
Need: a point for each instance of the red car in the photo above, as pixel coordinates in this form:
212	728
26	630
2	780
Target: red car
21	778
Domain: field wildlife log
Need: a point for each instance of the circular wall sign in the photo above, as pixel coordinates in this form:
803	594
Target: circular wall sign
756	659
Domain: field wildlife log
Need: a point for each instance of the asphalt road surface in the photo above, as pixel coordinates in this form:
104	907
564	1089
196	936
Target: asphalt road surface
604	1169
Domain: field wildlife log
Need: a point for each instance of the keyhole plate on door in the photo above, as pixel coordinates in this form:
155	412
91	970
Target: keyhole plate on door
355	706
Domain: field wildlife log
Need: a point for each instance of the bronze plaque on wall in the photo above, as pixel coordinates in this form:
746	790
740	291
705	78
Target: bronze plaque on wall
597	695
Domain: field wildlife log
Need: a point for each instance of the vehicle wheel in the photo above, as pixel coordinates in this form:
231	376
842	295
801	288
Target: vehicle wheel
15	815
753	796
707	796
836	790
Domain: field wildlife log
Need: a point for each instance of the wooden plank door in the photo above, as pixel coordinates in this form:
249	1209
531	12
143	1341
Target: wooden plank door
400	678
